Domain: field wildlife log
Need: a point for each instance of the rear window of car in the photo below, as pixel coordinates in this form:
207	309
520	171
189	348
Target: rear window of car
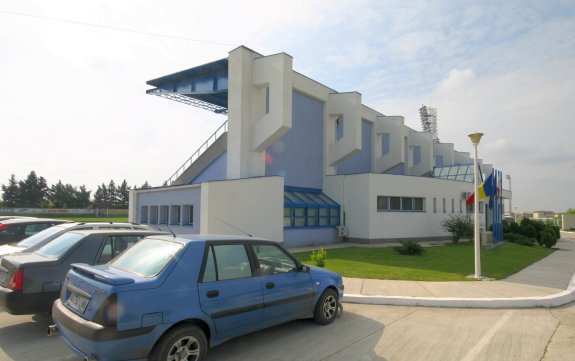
148	257
40	236
59	245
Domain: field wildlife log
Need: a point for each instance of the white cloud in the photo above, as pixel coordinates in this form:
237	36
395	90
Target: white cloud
455	81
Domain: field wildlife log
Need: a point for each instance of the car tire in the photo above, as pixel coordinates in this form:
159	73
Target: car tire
186	342
326	307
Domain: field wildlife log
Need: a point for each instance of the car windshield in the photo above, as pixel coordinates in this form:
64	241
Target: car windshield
40	236
148	257
59	245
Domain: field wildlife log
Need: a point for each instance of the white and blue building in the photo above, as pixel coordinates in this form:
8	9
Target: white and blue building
300	163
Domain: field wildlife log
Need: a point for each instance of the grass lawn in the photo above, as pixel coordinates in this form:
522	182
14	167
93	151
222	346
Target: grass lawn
451	262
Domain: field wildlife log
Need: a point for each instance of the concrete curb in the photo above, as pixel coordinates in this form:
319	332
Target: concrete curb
549	301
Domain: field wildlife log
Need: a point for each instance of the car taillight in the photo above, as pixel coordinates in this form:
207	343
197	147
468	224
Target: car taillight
107	314
3	227
17	282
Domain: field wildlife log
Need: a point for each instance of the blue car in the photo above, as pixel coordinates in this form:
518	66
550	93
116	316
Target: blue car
170	298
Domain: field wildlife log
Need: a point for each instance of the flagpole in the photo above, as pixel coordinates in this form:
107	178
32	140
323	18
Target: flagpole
475	138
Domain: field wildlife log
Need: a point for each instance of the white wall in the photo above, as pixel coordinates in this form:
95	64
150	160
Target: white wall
568	222
357	194
424	140
254	206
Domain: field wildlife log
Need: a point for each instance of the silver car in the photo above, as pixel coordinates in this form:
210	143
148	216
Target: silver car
39	239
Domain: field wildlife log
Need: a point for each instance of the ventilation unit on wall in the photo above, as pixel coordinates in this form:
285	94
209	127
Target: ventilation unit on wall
341	231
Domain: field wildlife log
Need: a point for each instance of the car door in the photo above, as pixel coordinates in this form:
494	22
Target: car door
288	292
229	293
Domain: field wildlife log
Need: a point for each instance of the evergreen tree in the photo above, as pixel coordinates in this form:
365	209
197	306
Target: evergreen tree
101	197
123	195
11	193
145	185
112	194
83	197
33	190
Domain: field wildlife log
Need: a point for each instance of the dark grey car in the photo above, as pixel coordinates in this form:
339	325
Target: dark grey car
14	230
30	282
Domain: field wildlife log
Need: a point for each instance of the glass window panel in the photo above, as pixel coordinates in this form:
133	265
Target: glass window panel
406	203
312	217
299	212
232	262
418	204
324	212
395	203
382	202
292	198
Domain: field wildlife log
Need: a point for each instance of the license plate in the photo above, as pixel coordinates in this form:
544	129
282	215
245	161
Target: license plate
78	302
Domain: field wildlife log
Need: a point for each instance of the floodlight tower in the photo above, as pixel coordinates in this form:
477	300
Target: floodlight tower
429	121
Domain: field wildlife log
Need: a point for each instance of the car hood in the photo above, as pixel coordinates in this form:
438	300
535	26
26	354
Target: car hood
8	249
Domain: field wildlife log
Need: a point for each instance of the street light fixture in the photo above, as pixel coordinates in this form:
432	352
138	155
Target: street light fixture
475	138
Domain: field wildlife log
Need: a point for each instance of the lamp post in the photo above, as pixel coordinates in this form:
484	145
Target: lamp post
475	138
508	177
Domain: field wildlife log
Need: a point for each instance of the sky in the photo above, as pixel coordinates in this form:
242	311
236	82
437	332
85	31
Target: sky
73	79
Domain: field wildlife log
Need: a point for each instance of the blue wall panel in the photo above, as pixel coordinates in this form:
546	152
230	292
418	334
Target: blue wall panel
361	161
298	155
308	236
217	170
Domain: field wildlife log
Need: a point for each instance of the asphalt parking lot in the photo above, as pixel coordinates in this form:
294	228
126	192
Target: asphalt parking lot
364	332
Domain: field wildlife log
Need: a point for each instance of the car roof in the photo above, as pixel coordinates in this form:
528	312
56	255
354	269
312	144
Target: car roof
33	220
118	231
188	238
101	223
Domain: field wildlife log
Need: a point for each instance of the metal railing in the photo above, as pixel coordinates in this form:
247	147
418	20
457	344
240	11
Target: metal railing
211	140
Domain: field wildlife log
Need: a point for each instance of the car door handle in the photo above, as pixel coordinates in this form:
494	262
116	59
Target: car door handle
270	285
213	294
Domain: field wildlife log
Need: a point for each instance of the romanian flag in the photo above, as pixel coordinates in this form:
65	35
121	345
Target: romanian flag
485	189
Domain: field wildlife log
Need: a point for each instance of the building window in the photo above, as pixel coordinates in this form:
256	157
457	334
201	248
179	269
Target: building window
188	215
153	215
452	205
144	214
406	203
444	210
460	206
339	127
267	99
305	207
434	205
382	203
164	214
481	206
419	204
175	215
416	155
394	203
385	143
402	204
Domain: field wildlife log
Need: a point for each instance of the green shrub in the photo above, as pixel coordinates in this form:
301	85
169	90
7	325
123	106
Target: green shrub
548	238
556	230
519	239
409	248
528	230
459	226
318	257
514	227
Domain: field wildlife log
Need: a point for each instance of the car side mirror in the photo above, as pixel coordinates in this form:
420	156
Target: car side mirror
303	268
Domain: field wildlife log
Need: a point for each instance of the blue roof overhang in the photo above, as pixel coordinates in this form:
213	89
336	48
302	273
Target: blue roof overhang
204	86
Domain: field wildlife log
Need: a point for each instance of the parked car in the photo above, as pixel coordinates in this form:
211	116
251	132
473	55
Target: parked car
3	218
14	230
32	243
200	291
30	282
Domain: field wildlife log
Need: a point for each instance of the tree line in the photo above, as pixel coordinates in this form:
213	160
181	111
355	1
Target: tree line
34	192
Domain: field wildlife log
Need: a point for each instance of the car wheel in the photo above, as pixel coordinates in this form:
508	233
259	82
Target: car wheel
326	307
184	343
